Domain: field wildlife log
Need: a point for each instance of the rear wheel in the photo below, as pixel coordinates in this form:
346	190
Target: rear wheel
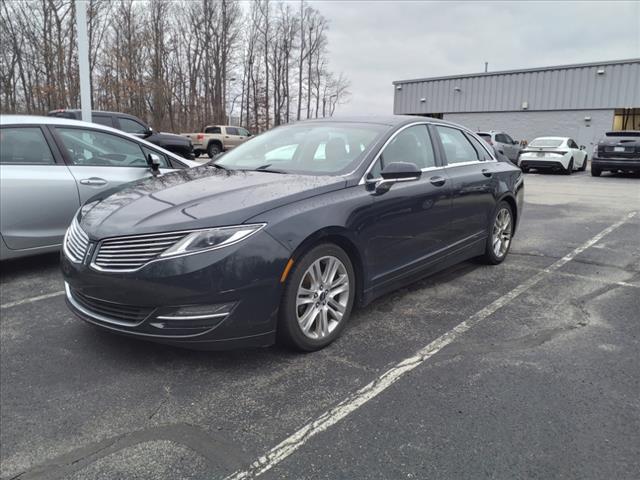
595	172
213	149
569	169
500	234
584	164
318	298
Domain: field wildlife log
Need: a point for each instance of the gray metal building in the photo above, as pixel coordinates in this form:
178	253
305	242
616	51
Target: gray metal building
580	101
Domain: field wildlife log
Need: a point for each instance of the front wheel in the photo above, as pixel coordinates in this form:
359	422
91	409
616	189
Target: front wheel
318	297
500	234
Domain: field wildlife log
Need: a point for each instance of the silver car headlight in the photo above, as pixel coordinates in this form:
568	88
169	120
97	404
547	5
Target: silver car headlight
212	239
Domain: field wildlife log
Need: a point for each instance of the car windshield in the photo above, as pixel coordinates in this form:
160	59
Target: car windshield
308	148
546	142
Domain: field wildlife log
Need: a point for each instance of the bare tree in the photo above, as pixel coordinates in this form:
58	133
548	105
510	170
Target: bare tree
178	63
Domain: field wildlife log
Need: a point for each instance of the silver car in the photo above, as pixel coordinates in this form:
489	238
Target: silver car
50	166
503	143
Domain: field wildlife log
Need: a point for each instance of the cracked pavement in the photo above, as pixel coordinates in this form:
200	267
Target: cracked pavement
548	386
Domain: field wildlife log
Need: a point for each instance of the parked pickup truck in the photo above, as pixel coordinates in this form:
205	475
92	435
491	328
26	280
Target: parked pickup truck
215	139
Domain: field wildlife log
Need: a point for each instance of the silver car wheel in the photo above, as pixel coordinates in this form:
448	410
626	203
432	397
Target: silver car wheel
502	231
322	298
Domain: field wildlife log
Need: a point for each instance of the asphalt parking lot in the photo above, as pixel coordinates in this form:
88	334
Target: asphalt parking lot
525	370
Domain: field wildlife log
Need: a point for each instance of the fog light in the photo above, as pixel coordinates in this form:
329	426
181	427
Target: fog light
193	316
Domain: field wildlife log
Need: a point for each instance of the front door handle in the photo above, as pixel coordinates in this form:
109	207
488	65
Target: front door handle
437	181
486	172
93	181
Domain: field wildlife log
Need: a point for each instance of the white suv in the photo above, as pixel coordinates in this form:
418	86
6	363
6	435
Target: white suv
503	143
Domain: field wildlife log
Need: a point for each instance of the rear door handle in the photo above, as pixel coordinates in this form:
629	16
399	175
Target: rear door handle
437	181
486	172
93	181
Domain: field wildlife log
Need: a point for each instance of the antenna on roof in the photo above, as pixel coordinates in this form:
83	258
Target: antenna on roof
486	67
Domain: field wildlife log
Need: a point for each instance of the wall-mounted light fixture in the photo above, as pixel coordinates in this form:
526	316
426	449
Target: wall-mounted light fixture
422	100
399	87
600	71
525	105
457	89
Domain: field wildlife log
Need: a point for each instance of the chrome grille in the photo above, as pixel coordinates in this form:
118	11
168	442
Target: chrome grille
75	242
123	254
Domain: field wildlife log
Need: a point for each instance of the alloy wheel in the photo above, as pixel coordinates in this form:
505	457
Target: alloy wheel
322	297
502	231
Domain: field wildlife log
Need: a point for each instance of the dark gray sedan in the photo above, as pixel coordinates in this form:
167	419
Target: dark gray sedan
282	236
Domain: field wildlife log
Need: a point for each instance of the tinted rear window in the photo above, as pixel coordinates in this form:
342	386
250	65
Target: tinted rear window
486	136
546	142
623	134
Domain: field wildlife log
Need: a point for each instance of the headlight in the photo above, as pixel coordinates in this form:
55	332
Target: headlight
211	239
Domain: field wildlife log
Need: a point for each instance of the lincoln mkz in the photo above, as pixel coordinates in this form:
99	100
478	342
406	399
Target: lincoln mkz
281	237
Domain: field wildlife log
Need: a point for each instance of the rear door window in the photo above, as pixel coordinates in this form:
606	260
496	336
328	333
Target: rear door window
24	145
457	147
212	130
483	155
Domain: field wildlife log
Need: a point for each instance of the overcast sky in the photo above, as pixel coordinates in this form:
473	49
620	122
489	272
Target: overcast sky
377	42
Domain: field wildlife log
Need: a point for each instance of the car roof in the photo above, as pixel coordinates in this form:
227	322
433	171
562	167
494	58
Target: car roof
551	138
41	119
77	110
391	120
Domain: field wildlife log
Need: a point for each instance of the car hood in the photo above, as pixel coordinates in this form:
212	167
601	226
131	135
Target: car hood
198	197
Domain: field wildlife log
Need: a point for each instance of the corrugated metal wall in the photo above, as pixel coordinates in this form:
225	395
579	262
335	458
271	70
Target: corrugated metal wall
559	88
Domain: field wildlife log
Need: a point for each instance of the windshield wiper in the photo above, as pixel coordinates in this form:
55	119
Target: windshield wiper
221	167
265	168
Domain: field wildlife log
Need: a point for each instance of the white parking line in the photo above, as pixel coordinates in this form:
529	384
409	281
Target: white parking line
31	299
292	443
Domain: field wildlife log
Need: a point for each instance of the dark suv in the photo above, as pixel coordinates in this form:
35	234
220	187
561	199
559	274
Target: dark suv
617	151
128	123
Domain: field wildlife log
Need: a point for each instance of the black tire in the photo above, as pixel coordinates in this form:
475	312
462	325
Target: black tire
584	164
214	149
525	169
569	169
490	257
595	172
289	330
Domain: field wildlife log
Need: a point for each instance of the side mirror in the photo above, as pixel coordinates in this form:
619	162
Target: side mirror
582	147
393	173
153	161
148	132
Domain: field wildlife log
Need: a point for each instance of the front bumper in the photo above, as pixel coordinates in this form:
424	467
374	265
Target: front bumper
244	277
615	164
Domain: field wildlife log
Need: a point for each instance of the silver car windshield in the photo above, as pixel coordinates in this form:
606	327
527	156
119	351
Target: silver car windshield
311	148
